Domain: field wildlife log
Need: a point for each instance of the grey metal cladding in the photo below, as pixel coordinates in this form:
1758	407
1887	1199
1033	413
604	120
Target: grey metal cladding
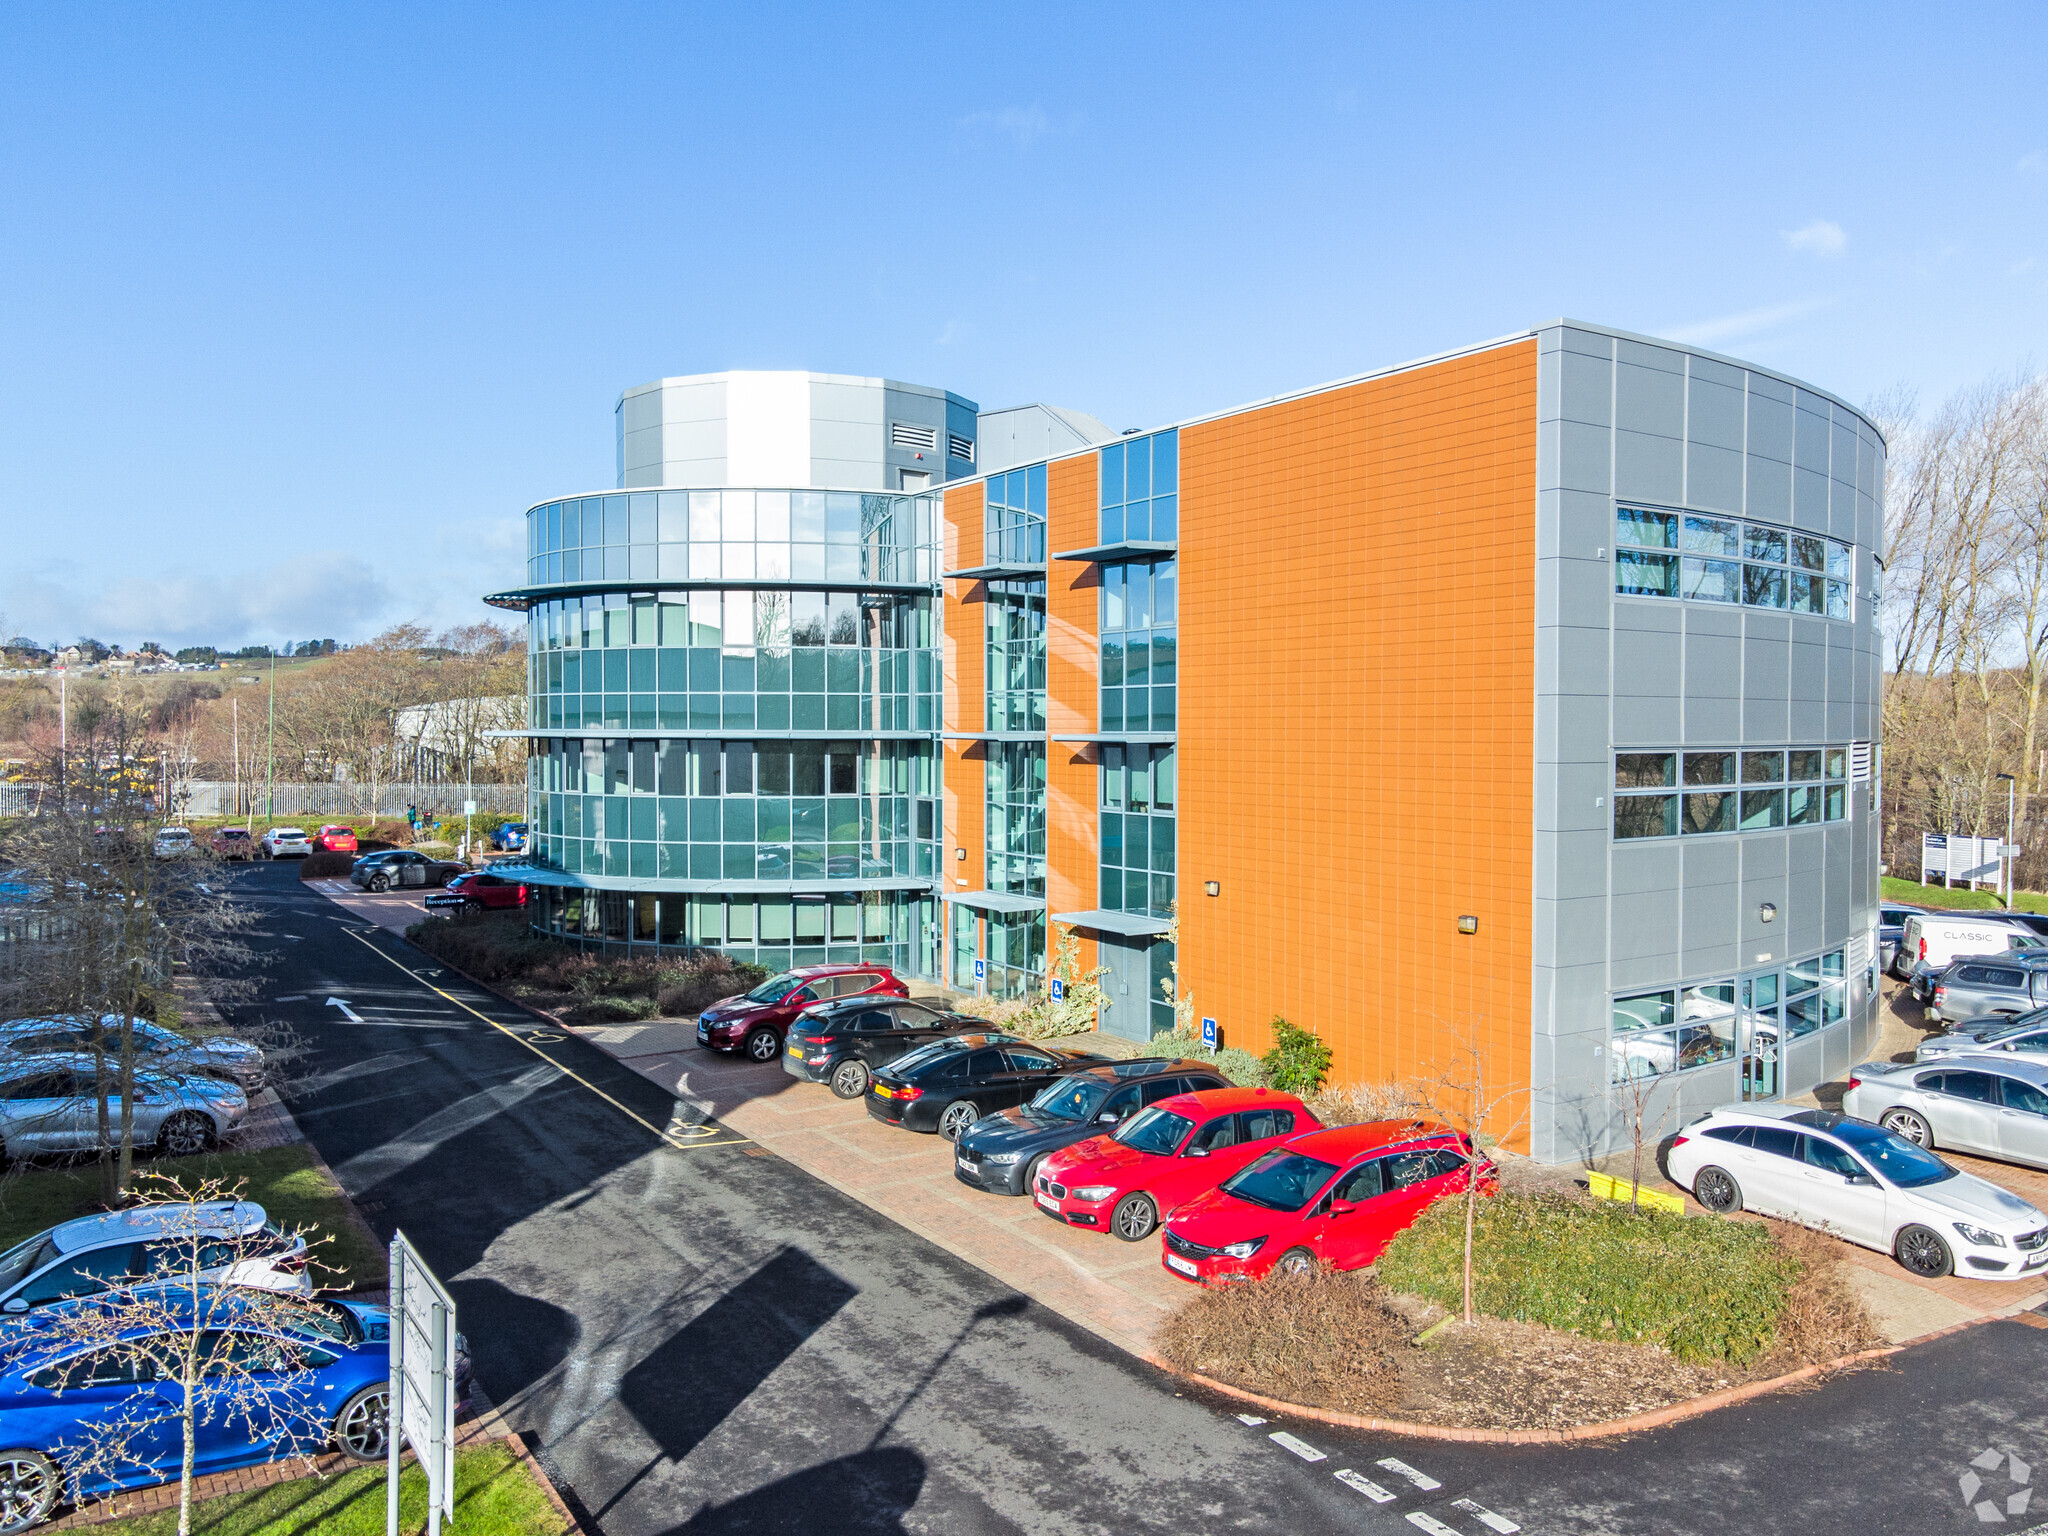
1713	478
1649	400
1810	499
1647	720
1588	342
1770	425
1585	389
1768	488
1573	927
1642	355
1648	468
1585	527
1810	434
1571	659
1572	797
1709	933
1571	729
1639	867
1584	458
1713	414
1711	721
1645	924
1713	666
1705	368
1842	450
1573	591
1573	863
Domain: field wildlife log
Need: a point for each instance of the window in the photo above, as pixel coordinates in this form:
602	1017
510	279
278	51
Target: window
2024	1097
1216	1135
1140	489
1822	1153
1140	646
1363	1183
1728	560
1258	1124
1778	1141
1013	517
1668	794
1673	1029
1014	619
1137	828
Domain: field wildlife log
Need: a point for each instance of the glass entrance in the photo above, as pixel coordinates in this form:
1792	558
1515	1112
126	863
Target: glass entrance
966	946
1759	1032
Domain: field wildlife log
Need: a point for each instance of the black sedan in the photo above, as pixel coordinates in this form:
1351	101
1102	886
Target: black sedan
948	1085
391	867
845	1042
1001	1152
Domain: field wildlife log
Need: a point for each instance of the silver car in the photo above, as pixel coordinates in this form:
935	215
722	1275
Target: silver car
158	1049
50	1103
1993	1105
1977	985
2024	1035
78	1258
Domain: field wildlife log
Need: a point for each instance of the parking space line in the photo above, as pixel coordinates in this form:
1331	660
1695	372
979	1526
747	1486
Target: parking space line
1366	1486
1431	1524
1401	1468
1251	1419
1301	1448
1487	1517
511	1034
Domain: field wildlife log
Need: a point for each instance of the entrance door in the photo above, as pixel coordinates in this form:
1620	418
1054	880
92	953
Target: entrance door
1758	1033
966	946
1126	1010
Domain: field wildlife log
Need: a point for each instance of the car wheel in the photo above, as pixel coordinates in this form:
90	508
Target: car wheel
472	906
379	883
1923	1253
30	1486
956	1117
850	1079
762	1045
185	1134
1716	1189
1903	1122
1295	1261
1031	1173
362	1428
1134	1218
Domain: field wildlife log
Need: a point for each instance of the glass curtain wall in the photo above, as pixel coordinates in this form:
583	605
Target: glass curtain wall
1140	647
891	928
1138	829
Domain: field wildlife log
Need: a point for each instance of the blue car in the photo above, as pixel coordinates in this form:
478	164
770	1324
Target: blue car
509	837
59	1396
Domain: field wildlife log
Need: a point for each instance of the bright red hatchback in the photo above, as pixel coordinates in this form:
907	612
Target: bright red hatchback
1165	1156
1334	1197
335	840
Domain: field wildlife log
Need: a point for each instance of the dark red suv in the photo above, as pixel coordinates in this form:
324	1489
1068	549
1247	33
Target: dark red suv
478	891
754	1022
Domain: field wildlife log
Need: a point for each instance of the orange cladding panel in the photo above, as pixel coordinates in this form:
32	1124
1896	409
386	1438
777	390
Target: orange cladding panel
1358	678
1072	608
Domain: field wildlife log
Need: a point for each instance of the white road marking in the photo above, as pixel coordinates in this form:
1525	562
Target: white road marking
1301	1448
1431	1524
1250	1418
296	997
347	1012
1366	1486
1487	1517
1421	1480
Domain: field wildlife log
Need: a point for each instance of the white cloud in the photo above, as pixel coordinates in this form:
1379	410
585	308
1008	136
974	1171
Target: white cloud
1024	125
1821	237
1748	322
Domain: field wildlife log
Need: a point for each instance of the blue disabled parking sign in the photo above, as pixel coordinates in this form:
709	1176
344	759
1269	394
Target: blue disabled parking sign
1208	1034
1059	990
980	970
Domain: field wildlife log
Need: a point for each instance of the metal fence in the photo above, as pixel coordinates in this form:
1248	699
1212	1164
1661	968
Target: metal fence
219	798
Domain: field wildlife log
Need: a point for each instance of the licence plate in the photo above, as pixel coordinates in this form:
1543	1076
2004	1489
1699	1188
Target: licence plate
1047	1201
1175	1261
967	1166
2037	1261
793	1049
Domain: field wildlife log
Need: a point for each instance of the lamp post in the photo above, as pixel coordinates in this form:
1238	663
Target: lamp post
2004	857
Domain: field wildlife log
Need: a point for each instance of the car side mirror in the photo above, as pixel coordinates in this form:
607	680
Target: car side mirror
1196	1152
1109	1119
1341	1207
1859	1179
14	1304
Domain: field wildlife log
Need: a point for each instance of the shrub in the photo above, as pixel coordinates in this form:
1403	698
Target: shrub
695	986
613	1010
1357	1103
325	866
491	946
1324	1339
1241	1067
1299	1060
1706	1290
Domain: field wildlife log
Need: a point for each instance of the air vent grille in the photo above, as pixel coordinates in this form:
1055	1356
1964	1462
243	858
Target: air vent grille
905	434
960	447
1859	762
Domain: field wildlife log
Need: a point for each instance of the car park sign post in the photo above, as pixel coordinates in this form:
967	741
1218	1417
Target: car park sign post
1059	990
422	1385
1208	1034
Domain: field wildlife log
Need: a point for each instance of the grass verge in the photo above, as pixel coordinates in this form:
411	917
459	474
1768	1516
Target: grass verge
1957	898
285	1181
495	1495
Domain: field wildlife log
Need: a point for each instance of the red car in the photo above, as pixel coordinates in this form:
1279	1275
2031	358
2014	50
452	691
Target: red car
1165	1156
479	891
335	840
1333	1197
754	1022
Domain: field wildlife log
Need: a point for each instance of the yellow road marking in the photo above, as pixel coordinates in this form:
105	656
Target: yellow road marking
509	1034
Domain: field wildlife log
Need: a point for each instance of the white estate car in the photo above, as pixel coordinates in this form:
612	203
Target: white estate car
234	1242
285	843
1860	1183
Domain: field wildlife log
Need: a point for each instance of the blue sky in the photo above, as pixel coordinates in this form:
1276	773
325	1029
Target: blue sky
300	307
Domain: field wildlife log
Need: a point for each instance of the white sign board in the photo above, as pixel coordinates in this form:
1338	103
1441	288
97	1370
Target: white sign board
1953	857
422	1383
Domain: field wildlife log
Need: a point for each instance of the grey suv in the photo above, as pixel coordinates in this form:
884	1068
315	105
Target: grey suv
1001	1152
1978	985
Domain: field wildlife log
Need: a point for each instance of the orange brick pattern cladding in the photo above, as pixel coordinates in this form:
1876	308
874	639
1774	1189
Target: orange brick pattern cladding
966	676
1357	686
1072	776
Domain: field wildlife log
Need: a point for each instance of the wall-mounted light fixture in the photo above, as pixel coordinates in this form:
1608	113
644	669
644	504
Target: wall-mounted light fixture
1212	887
1468	924
1767	913
960	853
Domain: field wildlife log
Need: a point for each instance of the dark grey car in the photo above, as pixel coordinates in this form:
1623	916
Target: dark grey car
1987	984
843	1043
1001	1152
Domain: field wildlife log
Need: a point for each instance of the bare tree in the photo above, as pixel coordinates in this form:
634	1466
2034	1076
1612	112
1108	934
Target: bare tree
241	1357
1467	1099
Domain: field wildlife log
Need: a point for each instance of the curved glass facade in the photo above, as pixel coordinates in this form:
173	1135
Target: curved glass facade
733	715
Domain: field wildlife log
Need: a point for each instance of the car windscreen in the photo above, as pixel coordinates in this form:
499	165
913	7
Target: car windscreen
1280	1181
1901	1162
325	1319
775	988
25	1259
1154	1130
1071	1098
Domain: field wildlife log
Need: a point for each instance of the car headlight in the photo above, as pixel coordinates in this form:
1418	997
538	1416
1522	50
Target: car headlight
1002	1158
1094	1192
1979	1236
1243	1250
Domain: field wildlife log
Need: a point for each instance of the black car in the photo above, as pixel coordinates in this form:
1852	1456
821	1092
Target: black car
948	1085
845	1042
1001	1152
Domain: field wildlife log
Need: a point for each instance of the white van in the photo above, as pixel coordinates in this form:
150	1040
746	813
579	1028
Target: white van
1932	939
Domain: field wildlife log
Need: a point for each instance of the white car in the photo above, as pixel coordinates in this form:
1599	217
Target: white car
173	842
78	1258
285	843
1862	1184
